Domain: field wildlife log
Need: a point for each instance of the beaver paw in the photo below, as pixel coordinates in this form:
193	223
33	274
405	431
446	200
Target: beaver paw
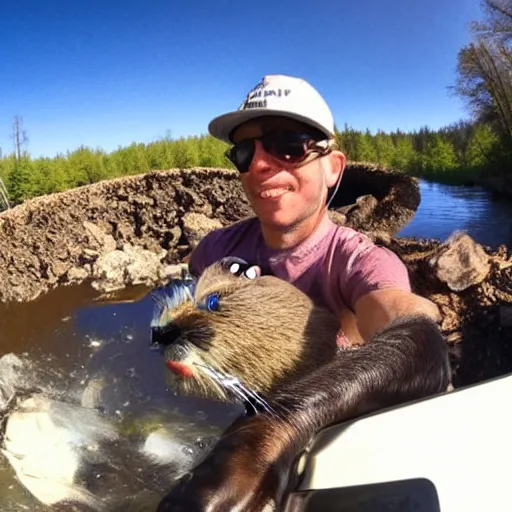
236	475
214	489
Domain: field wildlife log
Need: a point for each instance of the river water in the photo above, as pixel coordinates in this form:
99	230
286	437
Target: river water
77	339
444	209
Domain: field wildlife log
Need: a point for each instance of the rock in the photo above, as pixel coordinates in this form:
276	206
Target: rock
376	199
361	212
109	271
130	266
98	239
173	271
175	233
196	226
78	274
90	255
460	262
144	265
338	217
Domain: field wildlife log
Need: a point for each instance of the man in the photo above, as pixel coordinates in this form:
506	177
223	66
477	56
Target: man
284	148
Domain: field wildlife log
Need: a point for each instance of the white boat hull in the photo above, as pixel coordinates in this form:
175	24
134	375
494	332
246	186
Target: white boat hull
448	453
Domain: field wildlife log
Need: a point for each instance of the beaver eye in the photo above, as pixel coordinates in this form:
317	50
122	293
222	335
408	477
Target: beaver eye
234	268
251	273
234	265
212	302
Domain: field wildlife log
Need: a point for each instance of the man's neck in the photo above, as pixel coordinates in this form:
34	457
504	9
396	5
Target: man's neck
282	239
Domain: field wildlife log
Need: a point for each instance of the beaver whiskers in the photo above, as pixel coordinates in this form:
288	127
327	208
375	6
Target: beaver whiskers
206	377
234	385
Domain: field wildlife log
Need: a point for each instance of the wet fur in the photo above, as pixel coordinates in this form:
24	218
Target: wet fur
266	333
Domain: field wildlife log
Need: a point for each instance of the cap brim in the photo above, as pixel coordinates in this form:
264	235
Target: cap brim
222	126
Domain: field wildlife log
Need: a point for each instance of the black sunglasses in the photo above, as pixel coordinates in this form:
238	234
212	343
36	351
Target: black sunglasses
287	146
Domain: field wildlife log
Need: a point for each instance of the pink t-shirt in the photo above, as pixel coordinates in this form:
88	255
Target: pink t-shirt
335	266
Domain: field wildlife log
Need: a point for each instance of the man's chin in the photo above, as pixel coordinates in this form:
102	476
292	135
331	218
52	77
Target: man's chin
276	222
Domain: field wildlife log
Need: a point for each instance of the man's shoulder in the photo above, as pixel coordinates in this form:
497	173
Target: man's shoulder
357	245
236	239
356	265
348	240
235	231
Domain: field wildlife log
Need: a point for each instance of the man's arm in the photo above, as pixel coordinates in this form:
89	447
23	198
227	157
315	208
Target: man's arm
376	309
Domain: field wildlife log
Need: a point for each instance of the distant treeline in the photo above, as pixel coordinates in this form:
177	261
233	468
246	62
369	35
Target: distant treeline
451	155
458	153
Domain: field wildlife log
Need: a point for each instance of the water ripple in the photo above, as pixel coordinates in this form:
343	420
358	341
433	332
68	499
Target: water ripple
445	209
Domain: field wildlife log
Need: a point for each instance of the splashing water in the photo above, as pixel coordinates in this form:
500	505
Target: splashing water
63	448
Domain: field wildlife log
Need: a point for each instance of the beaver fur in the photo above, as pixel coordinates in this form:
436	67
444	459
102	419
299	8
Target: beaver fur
263	332
405	361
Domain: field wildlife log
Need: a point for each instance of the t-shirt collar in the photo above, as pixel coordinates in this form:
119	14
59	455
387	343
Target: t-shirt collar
305	247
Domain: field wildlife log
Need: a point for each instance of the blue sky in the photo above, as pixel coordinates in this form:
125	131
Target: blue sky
107	73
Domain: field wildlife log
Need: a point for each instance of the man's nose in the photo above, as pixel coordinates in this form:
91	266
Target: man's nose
261	161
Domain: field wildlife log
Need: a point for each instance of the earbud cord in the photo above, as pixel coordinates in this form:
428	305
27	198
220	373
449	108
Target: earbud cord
335	190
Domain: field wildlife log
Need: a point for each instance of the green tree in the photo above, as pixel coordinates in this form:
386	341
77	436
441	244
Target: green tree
439	156
211	152
25	181
404	154
160	155
482	148
484	70
186	152
125	161
86	166
384	148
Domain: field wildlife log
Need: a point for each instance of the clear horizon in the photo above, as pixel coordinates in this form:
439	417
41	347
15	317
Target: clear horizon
104	75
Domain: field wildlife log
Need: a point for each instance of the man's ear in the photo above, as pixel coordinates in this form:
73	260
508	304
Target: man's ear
334	171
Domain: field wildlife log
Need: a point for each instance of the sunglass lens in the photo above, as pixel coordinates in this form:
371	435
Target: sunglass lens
286	146
241	154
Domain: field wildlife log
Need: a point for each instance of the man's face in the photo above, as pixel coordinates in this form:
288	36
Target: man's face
281	194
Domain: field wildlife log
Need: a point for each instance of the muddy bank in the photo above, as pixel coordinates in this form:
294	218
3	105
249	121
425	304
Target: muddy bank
374	199
472	287
134	230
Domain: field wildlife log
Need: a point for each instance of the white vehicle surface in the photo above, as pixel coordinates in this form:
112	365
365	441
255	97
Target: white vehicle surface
448	453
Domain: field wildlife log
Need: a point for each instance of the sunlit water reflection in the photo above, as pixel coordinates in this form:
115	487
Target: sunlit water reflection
97	355
445	209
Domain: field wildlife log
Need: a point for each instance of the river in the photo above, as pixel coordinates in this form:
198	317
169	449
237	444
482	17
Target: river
76	338
444	209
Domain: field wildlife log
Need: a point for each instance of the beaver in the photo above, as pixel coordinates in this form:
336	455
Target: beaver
404	361
235	331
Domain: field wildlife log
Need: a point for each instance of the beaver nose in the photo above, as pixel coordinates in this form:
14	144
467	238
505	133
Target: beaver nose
164	335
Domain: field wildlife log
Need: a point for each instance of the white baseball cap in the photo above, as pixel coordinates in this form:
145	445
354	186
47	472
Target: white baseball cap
277	95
